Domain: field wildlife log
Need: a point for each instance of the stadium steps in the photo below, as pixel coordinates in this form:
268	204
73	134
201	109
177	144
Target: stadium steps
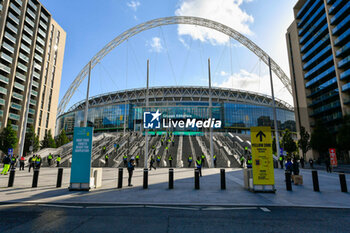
187	151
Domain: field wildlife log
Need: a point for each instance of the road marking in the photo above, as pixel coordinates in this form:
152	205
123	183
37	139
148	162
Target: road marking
14	205
230	208
115	207
265	209
171	207
62	206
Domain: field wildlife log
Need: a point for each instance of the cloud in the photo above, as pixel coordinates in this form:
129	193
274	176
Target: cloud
183	42
244	80
133	5
228	12
156	45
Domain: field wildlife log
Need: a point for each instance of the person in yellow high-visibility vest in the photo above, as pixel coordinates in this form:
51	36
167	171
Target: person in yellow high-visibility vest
6	161
58	160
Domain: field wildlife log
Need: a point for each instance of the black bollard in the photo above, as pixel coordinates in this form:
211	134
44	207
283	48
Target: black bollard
35	178
171	178
120	178
11	178
223	179
145	178
59	178
196	178
288	181
315	181
343	185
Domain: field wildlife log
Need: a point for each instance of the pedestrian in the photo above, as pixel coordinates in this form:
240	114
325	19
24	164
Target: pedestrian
173	142
31	162
295	167
137	159
190	161
106	160
125	160
242	161
249	162
328	165
281	161
158	161
151	164
311	162
302	162
131	167
289	165
58	160
13	161
21	163
170	160
199	165
214	158
6	161
203	160
49	159
38	162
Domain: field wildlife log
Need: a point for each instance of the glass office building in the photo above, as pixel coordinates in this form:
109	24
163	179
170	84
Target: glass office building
319	56
237	110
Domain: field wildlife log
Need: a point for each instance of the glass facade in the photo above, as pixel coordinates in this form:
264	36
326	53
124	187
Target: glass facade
235	117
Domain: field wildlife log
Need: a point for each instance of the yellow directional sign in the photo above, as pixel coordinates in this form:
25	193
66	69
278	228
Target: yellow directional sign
263	173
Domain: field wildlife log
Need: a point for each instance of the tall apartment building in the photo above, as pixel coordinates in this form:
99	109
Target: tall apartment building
318	44
32	45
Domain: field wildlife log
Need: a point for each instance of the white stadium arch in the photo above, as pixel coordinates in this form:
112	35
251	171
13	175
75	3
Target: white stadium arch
169	21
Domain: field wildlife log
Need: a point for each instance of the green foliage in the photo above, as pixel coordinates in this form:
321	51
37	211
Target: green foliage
304	141
343	137
31	139
61	139
8	138
48	141
288	144
321	140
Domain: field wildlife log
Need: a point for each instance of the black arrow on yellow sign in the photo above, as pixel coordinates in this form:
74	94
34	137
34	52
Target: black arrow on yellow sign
261	135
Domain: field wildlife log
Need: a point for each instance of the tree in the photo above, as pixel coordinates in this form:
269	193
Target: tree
288	143
321	140
304	141
8	138
62	139
31	139
48	141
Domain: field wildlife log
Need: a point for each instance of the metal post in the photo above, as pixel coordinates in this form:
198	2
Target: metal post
171	178
12	177
59	178
288	181
315	181
24	125
343	185
87	97
35	178
210	117
146	131
124	118
223	179
145	178
274	112
120	178
196	178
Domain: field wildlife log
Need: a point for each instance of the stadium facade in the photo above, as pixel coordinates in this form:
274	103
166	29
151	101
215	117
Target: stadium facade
236	110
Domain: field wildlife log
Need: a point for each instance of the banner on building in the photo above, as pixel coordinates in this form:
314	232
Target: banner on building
333	157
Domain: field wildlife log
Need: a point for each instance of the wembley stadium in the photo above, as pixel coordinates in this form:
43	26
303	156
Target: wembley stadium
236	110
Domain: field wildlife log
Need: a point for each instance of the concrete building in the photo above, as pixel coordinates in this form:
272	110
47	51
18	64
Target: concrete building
32	44
319	48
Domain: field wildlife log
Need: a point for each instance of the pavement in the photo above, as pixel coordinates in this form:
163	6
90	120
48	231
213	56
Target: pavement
183	193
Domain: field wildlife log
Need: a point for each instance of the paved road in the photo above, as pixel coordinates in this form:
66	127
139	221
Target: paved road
40	218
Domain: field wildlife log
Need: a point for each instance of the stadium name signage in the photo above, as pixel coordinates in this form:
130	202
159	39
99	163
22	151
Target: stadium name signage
192	123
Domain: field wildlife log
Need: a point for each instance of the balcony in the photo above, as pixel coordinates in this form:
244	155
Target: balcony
341	25
6	58
321	76
343	50
1	113
8	47
342	39
327	107
31	13
37	57
14	127
43	25
33	102
303	20
4	79
26	39
323	52
345	74
30	121
32	5
31	111
34	93
39	49
42	42
304	9
324	97
21	77
340	14
316	15
36	75
28	30
35	84
16	9
322	42
16	106
25	48
19	86
2	102
3	91
17	96
346	87
44	17
22	67
42	33
325	62
24	57
10	37
15	117
316	37
323	20
13	18
335	7
5	68
30	22
11	27
344	62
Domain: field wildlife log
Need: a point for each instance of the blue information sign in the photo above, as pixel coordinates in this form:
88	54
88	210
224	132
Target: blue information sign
81	158
10	151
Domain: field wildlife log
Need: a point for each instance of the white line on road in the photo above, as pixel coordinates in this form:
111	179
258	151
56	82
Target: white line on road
265	209
62	206
114	207
171	207
230	208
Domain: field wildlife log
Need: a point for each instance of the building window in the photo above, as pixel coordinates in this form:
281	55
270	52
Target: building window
40	117
49	104
47	120
43	99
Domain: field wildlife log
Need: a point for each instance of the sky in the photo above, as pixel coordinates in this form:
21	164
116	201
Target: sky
178	54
